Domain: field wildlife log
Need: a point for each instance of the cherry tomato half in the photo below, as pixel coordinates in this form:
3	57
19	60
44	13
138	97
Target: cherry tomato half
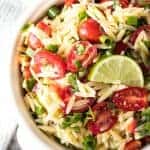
90	30
81	55
44	27
43	58
133	145
105	121
135	34
100	106
131	99
124	3
34	42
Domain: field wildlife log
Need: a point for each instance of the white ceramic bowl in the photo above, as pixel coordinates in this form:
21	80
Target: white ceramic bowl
35	138
38	140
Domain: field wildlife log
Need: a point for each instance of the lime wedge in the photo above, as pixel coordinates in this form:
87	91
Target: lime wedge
117	69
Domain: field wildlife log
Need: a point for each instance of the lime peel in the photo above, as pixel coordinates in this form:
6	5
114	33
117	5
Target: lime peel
117	69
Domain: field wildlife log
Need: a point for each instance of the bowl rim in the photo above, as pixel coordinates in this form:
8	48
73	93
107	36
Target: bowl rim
32	14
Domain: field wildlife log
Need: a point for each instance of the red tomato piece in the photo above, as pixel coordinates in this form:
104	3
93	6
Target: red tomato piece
34	42
85	57
133	145
44	57
132	126
131	99
69	2
135	34
93	127
124	3
120	47
100	106
27	73
65	93
90	30
105	121
44	27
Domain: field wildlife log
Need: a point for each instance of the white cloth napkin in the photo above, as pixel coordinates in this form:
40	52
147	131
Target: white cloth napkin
10	11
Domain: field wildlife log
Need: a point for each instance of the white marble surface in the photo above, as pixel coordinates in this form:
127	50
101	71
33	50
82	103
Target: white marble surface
10	11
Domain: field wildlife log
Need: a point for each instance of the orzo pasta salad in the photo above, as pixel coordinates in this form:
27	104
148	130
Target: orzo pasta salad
85	69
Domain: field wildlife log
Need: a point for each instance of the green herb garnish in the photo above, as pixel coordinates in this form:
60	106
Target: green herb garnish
146	115
82	15
78	64
80	49
142	130
132	20
89	143
53	12
25	27
30	83
71	119
39	110
52	47
72	79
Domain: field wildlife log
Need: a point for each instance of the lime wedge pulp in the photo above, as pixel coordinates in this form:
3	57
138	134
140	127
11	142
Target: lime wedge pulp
117	69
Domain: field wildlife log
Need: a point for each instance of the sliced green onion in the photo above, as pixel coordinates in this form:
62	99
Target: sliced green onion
30	84
132	20
80	49
25	27
39	110
89	143
82	15
52	48
29	52
72	80
53	12
71	119
78	64
104	39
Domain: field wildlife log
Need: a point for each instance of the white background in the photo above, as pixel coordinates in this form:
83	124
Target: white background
10	11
